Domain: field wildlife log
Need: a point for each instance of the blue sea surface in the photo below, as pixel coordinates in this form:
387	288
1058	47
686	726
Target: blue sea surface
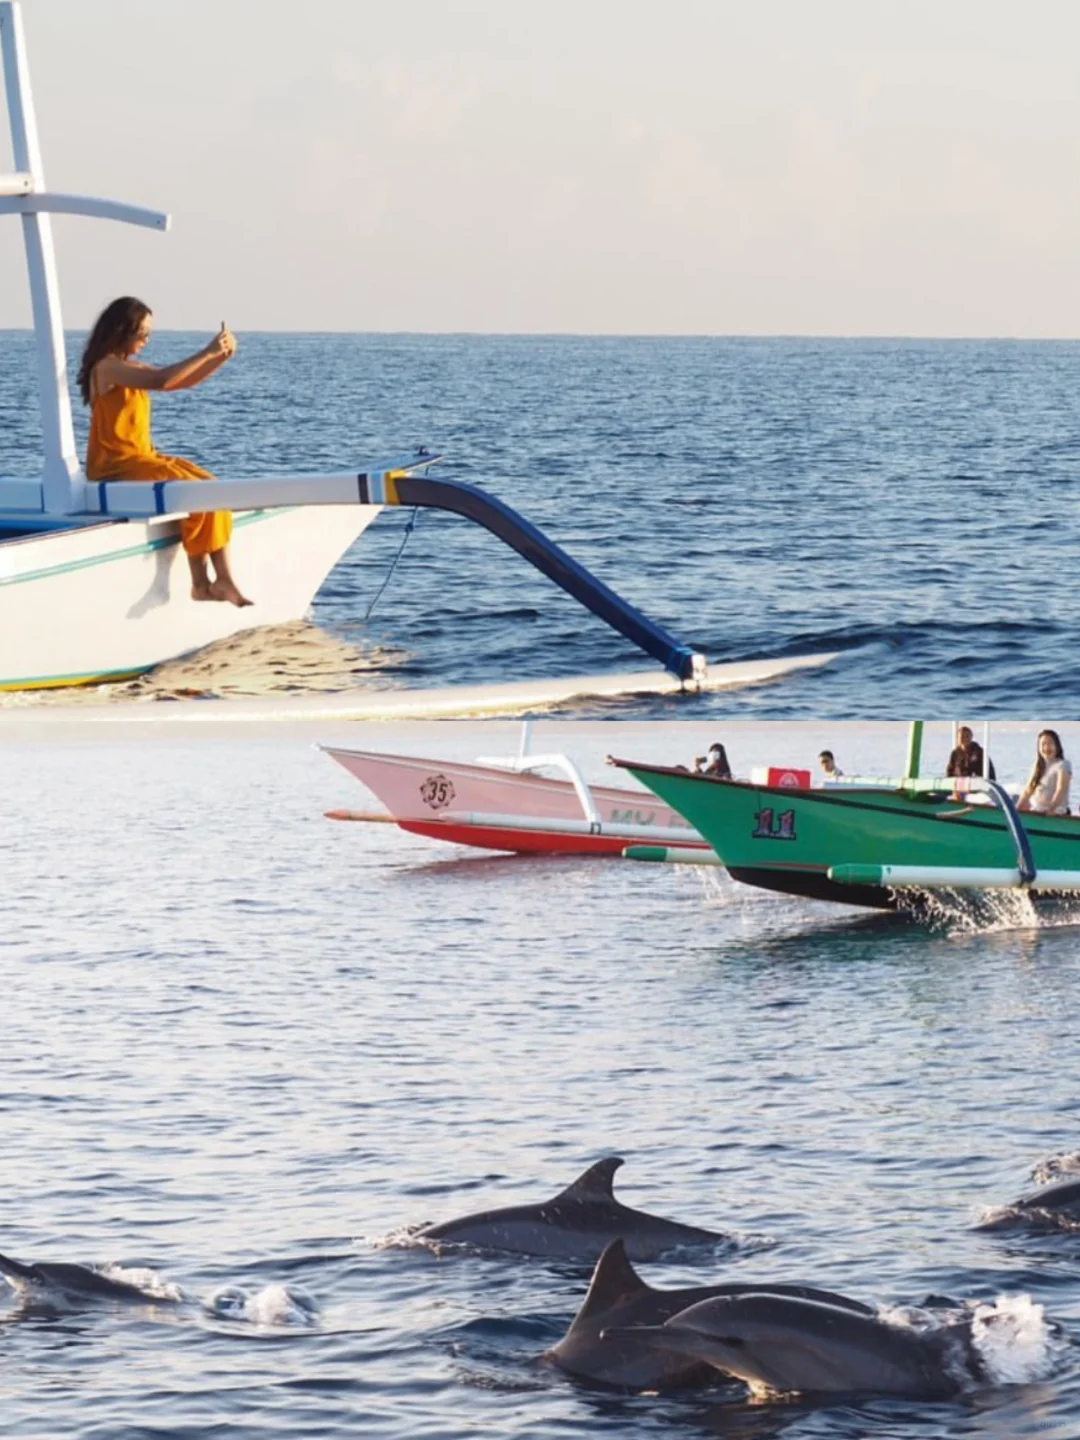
909	503
247	1050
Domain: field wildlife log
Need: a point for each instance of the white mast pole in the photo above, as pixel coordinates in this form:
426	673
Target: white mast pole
61	462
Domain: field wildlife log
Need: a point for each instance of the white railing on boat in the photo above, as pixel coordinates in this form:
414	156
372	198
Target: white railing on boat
524	762
1025	875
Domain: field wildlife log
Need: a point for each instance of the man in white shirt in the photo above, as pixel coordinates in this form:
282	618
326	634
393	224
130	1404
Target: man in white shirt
829	768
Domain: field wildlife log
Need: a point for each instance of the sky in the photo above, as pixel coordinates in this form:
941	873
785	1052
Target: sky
718	167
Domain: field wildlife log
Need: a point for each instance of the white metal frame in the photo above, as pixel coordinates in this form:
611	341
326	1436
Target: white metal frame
524	762
24	193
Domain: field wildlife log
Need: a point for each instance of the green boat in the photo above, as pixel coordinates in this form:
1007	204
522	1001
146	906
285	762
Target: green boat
859	841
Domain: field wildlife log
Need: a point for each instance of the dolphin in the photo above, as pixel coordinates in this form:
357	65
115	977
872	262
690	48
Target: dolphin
618	1296
576	1225
1060	1197
785	1344
1056	1205
78	1282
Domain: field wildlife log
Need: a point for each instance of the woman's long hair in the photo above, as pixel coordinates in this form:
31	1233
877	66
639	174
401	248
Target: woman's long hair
720	766
1040	764
114	333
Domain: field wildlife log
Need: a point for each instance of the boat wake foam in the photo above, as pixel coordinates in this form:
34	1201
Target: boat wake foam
987	911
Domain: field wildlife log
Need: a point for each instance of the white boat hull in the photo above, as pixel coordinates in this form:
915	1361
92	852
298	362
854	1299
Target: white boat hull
108	601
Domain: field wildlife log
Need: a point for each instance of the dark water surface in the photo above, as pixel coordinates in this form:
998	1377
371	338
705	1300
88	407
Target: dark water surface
911	503
246	1048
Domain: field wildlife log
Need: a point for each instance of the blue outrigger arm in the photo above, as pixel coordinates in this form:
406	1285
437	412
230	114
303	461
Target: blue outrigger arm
535	547
397	483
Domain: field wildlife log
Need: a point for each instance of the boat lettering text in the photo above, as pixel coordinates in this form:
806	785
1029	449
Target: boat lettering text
437	791
771	826
632	817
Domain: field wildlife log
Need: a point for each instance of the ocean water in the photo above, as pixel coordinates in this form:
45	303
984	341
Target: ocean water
246	1050
908	503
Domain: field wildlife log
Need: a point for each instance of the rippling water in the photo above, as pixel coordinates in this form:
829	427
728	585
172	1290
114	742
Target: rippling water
910	503
247	1048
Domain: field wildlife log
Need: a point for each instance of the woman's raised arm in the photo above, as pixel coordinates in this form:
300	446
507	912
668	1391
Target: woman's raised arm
113	370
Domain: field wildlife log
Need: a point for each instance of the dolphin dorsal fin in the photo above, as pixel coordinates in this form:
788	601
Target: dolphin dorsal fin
19	1271
614	1279
595	1183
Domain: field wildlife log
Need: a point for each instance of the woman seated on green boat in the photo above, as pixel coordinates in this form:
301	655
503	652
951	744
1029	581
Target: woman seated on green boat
1047	792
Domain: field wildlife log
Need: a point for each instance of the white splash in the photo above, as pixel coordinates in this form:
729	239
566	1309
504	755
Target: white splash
273	1305
970	912
1013	1339
994	1217
1056	1166
1029	1217
404	1237
986	912
151	1282
1010	1338
915	1317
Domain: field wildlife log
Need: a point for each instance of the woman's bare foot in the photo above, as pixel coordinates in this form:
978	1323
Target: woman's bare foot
227	590
204	591
223	586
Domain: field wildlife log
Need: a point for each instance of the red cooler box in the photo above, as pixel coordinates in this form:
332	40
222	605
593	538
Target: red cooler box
780	775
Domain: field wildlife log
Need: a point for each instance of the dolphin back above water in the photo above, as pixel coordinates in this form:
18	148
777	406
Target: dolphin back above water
619	1297
784	1344
1054	1206
82	1281
576	1225
1061	1197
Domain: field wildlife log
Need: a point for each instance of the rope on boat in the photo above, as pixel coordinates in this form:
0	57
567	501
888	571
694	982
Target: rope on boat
410	526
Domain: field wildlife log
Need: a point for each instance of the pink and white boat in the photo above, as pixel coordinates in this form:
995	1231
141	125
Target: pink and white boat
506	805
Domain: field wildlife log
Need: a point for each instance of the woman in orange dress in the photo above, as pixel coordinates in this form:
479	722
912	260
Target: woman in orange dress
117	387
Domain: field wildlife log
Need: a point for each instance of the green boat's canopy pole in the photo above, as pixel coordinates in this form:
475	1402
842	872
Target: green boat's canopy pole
914	749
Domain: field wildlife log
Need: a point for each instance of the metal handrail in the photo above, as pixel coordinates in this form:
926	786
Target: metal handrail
964	785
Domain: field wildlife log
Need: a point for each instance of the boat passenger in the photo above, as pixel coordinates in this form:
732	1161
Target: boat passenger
967	756
715	763
116	385
1047	792
829	768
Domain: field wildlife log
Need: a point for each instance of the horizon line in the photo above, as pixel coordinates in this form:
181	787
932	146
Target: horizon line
603	335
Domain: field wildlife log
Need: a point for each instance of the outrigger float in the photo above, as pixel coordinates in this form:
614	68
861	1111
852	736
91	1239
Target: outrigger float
504	803
93	585
865	840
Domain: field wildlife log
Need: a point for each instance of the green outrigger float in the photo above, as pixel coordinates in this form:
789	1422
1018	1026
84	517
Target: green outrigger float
860	840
